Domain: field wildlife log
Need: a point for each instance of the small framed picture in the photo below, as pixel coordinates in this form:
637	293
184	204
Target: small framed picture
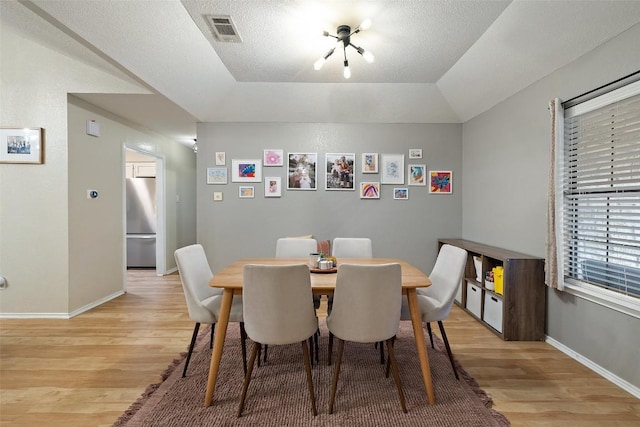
369	190
216	175
339	171
20	145
415	153
246	192
401	193
272	186
417	174
273	157
221	158
246	170
369	162
392	168
440	182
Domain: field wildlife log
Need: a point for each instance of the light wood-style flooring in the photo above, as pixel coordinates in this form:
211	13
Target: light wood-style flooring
87	370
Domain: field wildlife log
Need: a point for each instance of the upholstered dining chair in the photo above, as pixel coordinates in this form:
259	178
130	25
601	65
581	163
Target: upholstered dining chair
352	247
289	247
436	300
278	309
203	301
293	247
366	320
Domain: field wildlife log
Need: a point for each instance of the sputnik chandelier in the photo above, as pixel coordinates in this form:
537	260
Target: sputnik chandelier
344	37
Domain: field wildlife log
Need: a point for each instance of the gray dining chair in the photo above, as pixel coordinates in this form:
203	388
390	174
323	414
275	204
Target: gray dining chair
366	320
203	301
291	247
278	309
436	300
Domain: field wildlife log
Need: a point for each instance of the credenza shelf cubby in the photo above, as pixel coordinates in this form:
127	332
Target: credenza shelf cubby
518	314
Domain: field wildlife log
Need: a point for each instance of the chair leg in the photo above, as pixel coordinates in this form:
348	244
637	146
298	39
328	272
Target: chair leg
213	328
336	374
393	342
396	374
316	338
247	377
193	342
430	334
381	353
310	340
330	349
266	347
243	343
307	365
446	344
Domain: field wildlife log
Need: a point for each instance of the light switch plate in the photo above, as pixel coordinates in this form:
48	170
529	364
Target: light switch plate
93	128
217	196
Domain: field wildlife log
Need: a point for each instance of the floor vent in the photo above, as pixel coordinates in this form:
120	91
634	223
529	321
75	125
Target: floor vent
223	28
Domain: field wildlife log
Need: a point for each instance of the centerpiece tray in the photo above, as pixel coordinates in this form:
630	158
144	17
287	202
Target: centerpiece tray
317	270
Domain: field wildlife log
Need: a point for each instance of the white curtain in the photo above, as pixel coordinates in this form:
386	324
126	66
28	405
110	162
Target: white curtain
554	271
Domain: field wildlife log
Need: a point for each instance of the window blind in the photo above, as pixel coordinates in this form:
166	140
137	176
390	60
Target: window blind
601	193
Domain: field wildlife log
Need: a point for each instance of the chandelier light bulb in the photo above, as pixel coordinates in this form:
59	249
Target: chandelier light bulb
319	63
368	56
347	70
366	24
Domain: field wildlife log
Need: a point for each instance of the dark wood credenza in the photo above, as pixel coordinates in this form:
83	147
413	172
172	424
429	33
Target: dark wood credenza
518	314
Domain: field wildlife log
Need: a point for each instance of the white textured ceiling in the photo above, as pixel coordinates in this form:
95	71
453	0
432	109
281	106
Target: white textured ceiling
436	61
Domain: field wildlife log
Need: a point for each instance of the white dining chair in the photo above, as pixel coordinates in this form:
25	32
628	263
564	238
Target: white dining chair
203	301
278	309
352	247
436	300
290	247
366	320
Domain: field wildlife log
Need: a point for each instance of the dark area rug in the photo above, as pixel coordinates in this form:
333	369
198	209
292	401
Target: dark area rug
278	394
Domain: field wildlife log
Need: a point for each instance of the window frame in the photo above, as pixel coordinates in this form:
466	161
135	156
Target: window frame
626	304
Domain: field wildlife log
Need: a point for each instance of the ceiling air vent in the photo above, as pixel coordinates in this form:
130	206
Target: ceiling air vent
223	28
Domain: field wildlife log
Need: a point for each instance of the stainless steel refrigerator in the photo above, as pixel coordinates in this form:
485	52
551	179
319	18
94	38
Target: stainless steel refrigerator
141	222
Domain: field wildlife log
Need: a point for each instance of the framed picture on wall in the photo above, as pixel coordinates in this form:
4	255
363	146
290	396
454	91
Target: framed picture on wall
401	193
339	169
20	145
221	158
272	186
415	153
273	157
216	175
392	171
369	190
369	162
417	174
302	171
246	192
246	170
440	182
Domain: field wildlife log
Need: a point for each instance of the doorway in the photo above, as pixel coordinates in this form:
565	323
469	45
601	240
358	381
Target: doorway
144	210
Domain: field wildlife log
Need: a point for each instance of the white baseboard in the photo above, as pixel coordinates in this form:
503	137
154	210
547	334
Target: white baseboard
623	384
170	271
96	303
34	316
61	315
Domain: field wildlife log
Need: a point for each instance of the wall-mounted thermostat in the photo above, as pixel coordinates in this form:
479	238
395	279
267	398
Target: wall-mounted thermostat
217	196
93	128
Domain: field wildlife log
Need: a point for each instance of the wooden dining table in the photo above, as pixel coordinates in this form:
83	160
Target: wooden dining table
230	279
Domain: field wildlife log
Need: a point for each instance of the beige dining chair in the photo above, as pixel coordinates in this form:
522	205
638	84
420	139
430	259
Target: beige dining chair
436	300
203	301
291	247
366	320
352	247
278	309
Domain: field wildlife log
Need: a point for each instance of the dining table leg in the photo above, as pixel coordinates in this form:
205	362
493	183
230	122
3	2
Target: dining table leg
218	343
416	320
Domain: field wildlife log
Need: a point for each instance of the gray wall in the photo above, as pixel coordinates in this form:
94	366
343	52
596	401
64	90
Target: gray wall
240	228
506	162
